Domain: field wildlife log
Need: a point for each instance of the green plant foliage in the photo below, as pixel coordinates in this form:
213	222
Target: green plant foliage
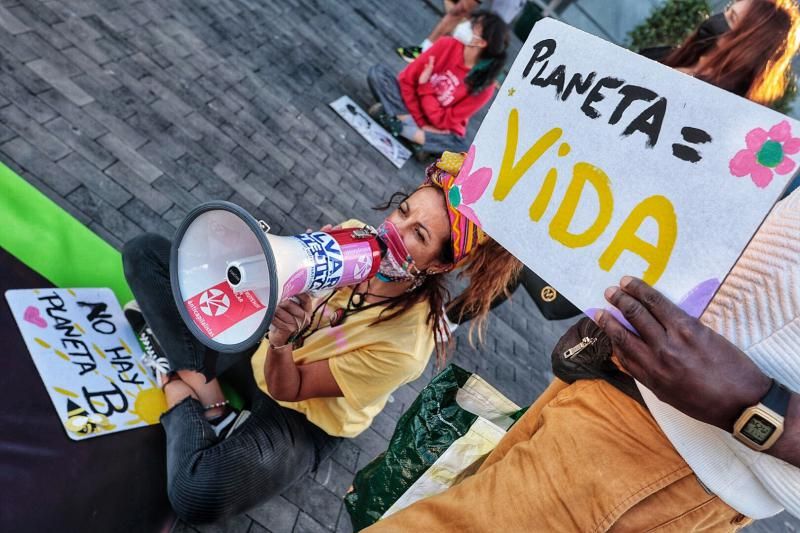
669	24
784	103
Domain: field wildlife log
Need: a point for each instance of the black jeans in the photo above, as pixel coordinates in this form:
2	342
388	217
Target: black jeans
209	478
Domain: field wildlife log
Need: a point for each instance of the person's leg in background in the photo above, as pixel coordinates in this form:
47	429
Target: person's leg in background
436	143
382	81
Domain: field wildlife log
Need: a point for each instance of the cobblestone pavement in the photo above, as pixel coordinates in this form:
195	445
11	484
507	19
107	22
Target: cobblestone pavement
129	113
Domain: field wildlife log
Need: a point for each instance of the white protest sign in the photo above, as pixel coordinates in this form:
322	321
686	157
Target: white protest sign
371	131
88	358
594	163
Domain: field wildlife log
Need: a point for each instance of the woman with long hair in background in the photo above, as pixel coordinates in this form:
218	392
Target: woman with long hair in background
431	101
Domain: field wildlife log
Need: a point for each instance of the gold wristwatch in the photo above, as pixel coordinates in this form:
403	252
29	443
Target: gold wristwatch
761	425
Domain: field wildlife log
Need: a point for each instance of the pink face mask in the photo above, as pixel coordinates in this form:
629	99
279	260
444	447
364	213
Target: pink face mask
397	264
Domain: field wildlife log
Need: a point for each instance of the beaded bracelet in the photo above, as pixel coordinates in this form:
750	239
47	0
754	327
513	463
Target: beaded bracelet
215	405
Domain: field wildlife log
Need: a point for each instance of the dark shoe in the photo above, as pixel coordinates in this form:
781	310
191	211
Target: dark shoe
408	53
391	124
421	155
224	425
394	126
153	357
376	111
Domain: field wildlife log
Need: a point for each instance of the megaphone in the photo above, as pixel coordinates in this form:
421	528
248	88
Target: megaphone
229	273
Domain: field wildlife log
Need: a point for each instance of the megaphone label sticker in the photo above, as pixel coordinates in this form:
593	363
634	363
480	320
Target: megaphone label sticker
214	302
332	263
218	308
327	261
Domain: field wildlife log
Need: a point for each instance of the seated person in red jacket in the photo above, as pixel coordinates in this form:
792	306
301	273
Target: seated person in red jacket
431	101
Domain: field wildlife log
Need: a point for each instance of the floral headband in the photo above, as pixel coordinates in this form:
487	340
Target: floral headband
464	233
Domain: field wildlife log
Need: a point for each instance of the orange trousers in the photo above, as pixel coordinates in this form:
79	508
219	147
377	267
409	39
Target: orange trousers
585	457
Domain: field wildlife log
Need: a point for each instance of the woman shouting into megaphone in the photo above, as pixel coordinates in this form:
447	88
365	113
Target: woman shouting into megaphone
329	364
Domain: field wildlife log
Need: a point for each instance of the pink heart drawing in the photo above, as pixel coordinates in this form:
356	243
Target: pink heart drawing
32	315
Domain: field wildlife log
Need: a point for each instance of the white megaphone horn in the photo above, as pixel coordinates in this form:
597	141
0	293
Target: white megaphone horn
229	273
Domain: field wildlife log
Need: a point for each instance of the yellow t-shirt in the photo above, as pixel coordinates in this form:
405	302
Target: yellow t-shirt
368	363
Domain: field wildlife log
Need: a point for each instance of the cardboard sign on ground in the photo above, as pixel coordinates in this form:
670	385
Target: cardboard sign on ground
594	162
88	358
373	133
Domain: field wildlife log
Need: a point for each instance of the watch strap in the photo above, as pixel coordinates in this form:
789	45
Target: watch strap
777	399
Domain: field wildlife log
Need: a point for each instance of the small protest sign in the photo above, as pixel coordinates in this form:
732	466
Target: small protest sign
88	358
371	131
594	163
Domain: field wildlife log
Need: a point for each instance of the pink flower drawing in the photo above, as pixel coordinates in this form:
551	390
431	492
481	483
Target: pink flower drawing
469	186
766	151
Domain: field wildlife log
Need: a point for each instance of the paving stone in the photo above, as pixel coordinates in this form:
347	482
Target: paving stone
315	500
14	118
128	155
10	23
306	524
118	127
175	215
101	231
180	196
7	134
384	424
346	454
240	186
73	114
100	184
344	525
334	477
75	27
103	76
104	214
73	137
205	176
30	162
139	188
158	130
278	514
371	444
236	524
16	48
147	219
258	528
46	51
25	100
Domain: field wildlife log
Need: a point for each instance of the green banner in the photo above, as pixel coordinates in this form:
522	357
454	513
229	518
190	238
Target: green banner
52	242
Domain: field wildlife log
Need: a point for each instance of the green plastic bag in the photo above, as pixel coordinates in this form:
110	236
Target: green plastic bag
454	423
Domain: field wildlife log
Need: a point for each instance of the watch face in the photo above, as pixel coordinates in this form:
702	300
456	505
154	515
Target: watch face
758	429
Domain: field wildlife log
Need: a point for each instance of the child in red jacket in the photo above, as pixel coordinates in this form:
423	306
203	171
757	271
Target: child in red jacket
431	101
